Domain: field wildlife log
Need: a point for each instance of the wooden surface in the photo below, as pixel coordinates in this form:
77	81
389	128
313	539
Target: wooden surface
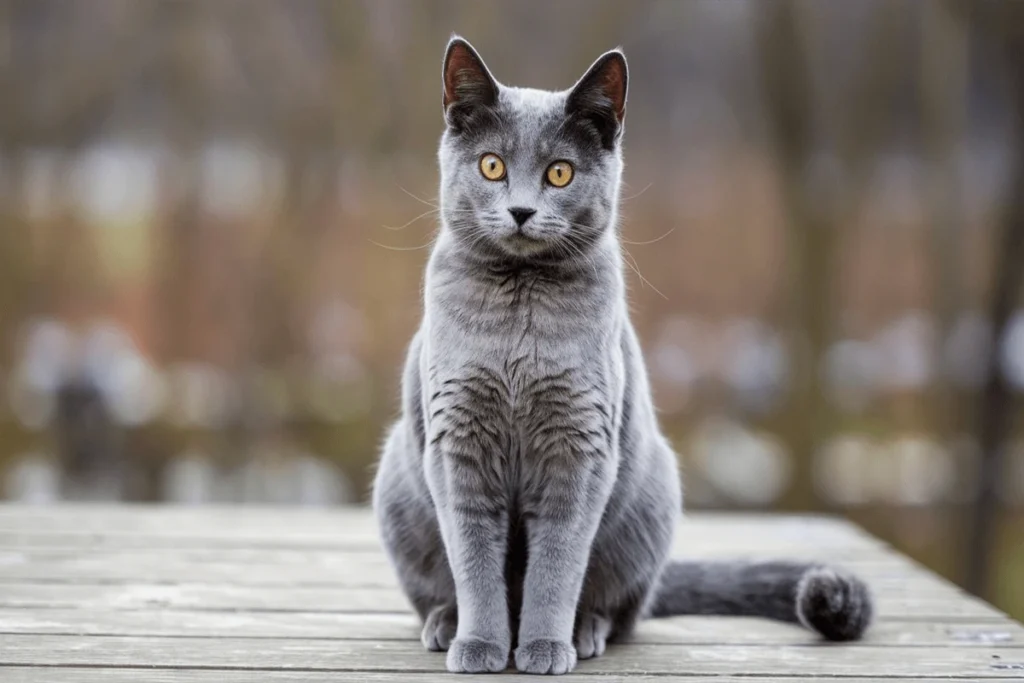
233	595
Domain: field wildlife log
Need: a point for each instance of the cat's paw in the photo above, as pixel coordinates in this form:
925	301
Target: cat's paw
473	656
439	628
591	635
836	605
545	657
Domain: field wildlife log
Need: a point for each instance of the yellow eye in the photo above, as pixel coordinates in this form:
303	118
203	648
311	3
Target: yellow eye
559	173
492	167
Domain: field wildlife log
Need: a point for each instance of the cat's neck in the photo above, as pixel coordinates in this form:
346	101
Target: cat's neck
598	264
466	279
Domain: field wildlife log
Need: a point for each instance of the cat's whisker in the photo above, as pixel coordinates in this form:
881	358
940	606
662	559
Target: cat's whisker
634	265
646	242
636	269
422	216
627	199
590	259
572	250
390	248
407	224
583	225
565	249
476	233
418	198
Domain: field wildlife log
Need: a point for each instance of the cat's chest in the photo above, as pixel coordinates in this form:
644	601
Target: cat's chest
518	404
516	381
519	365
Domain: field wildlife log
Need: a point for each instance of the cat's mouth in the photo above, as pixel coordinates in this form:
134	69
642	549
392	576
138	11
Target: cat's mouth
522	243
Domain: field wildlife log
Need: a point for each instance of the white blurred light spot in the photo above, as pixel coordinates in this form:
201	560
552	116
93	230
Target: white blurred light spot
133	388
318	482
116	182
200	395
32	478
189	479
676	362
757	364
672	365
337	326
839	469
46	355
904	350
747	467
1012	351
235	177
137	391
336	388
851	372
925	471
282	474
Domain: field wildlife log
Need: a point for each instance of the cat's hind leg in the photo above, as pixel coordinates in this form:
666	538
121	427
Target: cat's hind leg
592	631
412	540
439	628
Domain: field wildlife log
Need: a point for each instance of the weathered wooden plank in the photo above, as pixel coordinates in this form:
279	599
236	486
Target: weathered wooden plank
356	525
214	538
150	675
147	517
140	596
391	656
687	543
177	521
677	630
13	557
273	567
886	583
240	594
688	536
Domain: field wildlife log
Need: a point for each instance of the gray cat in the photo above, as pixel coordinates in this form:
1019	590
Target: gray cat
526	497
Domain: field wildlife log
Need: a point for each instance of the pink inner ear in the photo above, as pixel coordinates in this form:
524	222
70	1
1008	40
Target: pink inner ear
613	83
460	60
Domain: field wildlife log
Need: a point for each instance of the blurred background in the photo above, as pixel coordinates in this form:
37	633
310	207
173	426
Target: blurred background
214	218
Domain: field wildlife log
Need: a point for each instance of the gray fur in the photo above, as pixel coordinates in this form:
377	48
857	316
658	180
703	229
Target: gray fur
526	497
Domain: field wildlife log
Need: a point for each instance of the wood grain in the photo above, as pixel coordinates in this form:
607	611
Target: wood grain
150	675
391	656
383	626
234	597
230	594
330	567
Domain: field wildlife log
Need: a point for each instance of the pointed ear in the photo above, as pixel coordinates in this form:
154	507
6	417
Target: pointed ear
599	98
467	85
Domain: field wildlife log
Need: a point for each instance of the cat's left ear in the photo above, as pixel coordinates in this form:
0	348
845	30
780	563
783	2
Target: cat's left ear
600	96
467	84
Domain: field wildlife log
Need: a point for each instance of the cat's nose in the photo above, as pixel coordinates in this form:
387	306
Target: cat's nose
521	215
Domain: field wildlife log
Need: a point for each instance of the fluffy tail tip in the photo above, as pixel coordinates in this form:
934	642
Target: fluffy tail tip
836	605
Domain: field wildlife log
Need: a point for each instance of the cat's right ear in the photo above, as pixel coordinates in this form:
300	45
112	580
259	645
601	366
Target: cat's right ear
600	97
467	85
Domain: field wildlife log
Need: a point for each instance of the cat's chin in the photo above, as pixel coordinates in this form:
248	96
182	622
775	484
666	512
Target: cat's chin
517	249
524	246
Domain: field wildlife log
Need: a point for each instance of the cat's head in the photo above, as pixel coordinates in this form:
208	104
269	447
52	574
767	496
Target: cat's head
530	174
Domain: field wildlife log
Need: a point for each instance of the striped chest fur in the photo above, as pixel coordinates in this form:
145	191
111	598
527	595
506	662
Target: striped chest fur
505	383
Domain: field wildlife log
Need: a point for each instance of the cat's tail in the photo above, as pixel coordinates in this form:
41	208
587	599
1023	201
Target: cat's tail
823	599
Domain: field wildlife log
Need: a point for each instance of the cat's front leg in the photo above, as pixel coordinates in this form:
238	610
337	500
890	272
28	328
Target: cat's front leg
560	530
475	527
